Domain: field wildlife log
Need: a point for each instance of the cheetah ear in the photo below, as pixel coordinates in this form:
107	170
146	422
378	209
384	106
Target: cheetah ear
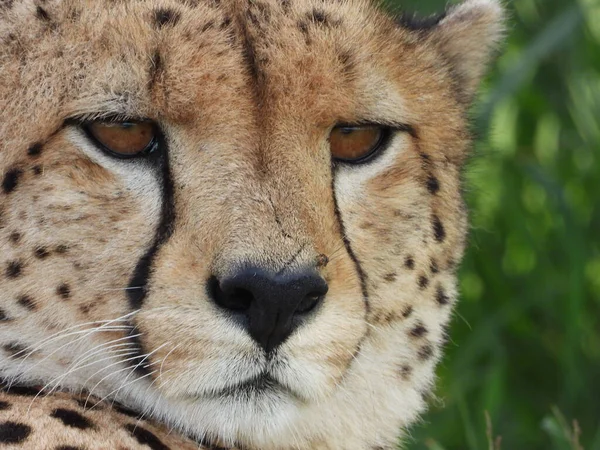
467	35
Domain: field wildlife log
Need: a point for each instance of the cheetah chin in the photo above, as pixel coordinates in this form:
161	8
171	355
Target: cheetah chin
229	223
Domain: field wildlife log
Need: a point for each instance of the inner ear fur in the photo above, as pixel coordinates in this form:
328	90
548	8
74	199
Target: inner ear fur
467	35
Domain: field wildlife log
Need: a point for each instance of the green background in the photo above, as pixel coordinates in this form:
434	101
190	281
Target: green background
525	341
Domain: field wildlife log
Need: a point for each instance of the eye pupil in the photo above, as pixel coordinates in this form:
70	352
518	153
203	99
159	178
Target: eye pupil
123	139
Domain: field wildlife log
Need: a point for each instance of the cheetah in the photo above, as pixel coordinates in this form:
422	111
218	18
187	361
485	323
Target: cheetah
229	223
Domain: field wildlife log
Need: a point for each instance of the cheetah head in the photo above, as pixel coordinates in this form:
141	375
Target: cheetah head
242	217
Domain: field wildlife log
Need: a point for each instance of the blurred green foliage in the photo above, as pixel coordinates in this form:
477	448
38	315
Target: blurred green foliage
525	342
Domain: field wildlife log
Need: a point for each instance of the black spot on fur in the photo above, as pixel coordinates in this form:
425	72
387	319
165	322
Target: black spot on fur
37	170
11	180
3	316
407	312
27	302
13	432
145	437
68	447
4	406
433	185
64	291
433	266
14	269
61	249
41	252
6	4
425	352
23	391
418	331
423	281
318	16
441	297
409	263
15	350
72	418
126	411
207	26
15	238
405	372
438	229
165	16
35	150
414	23
390	277
42	14
226	22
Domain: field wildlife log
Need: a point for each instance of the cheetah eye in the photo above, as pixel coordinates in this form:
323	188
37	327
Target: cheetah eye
357	143
123	139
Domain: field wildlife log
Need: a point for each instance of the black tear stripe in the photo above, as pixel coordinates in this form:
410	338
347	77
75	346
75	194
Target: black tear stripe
138	285
347	244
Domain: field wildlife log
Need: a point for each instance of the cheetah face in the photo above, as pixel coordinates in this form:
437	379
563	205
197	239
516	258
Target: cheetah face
243	218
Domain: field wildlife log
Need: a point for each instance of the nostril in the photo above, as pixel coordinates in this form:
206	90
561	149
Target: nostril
309	303
236	299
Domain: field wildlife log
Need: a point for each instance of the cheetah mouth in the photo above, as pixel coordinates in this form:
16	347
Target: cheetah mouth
258	386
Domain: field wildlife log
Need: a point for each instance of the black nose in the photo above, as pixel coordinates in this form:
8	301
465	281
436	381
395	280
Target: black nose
272	306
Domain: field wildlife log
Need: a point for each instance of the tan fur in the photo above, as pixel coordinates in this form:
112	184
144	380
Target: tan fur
246	93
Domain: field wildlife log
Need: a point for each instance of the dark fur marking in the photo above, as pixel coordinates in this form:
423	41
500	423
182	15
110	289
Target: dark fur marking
72	419
409	263
4	406
3	316
405	372
15	237
63	291
425	352
6	4
35	150
41	252
68	447
423	281
138	284
14	269
407	311
145	437
390	277
61	249
22	391
15	350
441	297
156	68
348	245
11	180
438	229
433	266
165	16
13	432
37	170
27	302
126	411
433	185
42	14
414	23
418	331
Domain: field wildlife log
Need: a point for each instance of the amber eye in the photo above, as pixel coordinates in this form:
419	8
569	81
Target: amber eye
124	139
351	143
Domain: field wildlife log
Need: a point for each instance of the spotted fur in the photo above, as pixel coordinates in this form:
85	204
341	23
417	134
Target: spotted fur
104	263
